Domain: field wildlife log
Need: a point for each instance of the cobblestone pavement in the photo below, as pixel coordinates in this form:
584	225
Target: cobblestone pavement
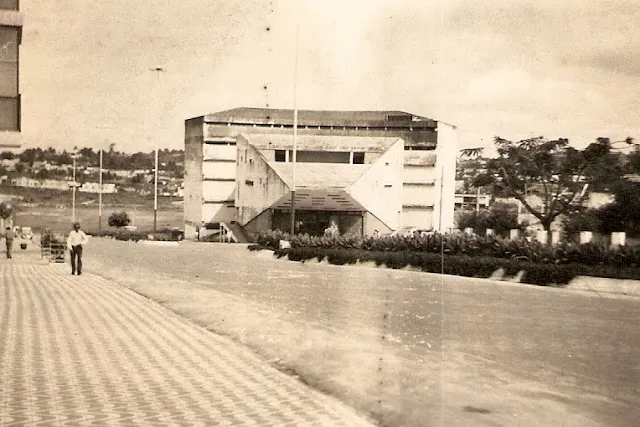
80	350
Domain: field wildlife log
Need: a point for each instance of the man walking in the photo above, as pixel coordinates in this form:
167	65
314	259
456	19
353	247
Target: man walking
76	239
9	236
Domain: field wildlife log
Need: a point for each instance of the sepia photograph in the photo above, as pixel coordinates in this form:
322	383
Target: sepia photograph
406	213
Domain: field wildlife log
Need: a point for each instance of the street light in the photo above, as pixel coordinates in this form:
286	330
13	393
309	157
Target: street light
295	138
157	70
73	191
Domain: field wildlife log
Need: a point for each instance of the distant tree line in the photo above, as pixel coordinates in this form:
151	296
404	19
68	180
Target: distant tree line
87	156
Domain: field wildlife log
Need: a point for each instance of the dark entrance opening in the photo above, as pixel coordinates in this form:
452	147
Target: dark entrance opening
315	222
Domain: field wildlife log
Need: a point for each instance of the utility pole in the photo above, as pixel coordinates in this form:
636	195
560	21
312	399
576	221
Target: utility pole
157	70
295	139
73	191
100	196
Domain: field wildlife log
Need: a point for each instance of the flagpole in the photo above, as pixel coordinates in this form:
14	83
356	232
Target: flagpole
295	139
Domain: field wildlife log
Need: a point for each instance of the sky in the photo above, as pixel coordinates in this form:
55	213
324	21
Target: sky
507	68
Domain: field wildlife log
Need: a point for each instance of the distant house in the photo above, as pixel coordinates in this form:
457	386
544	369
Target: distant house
94	187
471	202
55	184
9	164
25	182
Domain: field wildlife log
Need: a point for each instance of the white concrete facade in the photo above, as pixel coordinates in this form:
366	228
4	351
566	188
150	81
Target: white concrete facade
419	194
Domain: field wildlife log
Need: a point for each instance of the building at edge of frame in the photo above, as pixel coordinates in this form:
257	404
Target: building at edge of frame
363	170
10	40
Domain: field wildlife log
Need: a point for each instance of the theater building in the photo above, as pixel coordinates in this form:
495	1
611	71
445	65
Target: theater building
364	170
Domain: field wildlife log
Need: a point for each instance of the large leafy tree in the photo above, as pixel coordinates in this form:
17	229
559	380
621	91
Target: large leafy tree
551	169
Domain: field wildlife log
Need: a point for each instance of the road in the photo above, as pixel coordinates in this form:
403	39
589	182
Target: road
409	348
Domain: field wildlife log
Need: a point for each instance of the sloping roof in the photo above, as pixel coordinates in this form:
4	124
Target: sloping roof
319	175
320	199
322	142
385	118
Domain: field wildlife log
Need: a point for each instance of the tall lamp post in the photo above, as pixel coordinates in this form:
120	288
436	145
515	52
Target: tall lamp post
157	70
295	139
73	191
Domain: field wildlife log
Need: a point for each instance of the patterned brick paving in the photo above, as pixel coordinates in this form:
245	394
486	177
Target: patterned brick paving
80	350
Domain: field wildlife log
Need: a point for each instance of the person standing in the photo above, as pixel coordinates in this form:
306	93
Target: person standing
9	236
77	238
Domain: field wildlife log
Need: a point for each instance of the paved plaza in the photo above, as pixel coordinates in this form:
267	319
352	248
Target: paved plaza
81	350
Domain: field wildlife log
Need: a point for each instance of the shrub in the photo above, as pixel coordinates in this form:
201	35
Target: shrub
500	217
459	265
119	219
465	245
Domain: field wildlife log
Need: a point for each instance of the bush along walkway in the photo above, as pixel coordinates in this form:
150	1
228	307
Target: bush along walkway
463	255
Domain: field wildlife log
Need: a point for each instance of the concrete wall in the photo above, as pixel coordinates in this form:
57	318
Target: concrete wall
445	168
193	175
371	223
418	195
218	212
422	195
260	223
258	187
409	136
379	189
217	169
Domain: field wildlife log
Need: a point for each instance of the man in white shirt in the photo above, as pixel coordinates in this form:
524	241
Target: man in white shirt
76	239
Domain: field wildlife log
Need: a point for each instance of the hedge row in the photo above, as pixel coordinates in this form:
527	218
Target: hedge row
460	265
469	245
135	235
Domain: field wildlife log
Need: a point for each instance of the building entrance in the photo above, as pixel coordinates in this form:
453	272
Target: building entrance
315	222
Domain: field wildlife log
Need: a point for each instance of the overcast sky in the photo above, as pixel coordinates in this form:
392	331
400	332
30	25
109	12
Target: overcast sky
511	68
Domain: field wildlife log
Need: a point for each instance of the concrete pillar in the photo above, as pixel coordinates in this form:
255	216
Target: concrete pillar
468	230
555	237
514	234
542	236
586	237
617	239
489	232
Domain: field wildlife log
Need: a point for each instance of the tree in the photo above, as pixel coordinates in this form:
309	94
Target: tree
500	217
6	210
119	219
624	213
550	169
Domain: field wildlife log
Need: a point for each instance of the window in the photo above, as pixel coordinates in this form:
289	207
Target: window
358	158
9	4
311	156
9	61
249	182
10	114
281	156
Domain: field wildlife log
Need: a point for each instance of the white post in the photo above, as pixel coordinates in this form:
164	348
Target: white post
542	236
489	232
586	237
618	239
